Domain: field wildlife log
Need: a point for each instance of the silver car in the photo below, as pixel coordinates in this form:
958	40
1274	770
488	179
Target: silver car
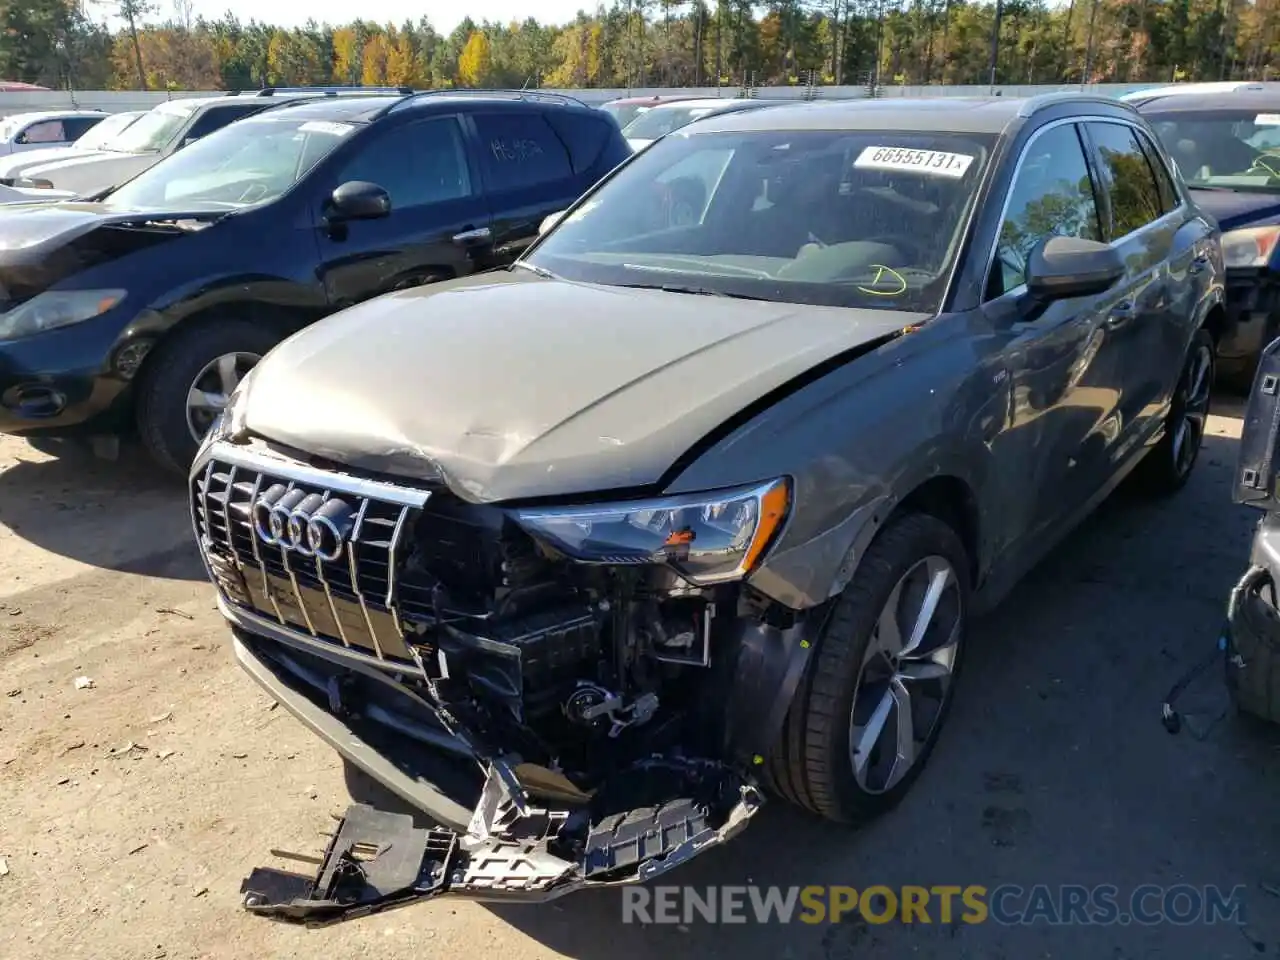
583	558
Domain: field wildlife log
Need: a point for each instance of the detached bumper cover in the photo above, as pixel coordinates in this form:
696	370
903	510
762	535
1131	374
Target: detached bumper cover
378	860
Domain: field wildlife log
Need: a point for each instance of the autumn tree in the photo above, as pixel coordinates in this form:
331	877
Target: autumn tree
475	62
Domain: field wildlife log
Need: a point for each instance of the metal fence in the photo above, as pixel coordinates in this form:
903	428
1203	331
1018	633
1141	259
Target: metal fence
116	100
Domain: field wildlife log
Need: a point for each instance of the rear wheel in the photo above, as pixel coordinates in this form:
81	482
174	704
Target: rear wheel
880	681
188	382
1167	467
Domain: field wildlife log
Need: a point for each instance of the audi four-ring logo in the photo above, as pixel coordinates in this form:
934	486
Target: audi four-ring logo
305	523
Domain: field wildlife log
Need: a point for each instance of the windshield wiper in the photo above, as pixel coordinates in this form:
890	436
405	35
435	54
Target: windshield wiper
695	291
534	269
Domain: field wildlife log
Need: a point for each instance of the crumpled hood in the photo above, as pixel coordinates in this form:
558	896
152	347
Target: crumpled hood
509	386
1238	208
43	243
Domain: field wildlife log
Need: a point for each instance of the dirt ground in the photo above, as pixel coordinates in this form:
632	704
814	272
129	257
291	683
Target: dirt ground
131	809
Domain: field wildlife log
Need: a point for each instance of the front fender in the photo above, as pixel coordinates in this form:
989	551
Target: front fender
856	443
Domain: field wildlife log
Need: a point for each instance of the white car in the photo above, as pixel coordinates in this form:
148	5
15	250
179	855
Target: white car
1212	86
20	132
98	137
30	195
662	118
155	135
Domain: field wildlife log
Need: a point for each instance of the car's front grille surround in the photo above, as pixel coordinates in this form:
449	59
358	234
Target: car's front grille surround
350	601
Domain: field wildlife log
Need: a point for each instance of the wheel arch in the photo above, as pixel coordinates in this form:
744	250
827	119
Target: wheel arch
952	500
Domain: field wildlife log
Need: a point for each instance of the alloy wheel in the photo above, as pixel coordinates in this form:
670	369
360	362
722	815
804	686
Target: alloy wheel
1193	404
212	388
906	674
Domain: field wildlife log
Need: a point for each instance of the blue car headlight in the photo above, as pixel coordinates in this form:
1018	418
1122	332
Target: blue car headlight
56	308
707	538
1250	247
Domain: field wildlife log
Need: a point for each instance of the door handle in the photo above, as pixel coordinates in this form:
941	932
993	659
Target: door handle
1120	314
473	236
1198	264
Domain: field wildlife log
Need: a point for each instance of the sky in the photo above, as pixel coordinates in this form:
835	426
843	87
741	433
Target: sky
444	14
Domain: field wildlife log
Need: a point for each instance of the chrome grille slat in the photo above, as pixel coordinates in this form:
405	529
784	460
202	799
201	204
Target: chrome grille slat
355	577
257	553
226	514
297	591
391	569
328	593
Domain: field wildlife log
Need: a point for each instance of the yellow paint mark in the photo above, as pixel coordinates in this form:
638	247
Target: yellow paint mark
884	273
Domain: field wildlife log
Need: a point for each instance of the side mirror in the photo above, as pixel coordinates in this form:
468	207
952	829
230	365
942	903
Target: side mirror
549	221
359	200
1063	267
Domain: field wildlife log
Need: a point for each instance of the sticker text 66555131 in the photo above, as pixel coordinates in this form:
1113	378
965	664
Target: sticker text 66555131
935	163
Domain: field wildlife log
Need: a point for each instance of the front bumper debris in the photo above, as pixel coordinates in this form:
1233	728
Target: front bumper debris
513	850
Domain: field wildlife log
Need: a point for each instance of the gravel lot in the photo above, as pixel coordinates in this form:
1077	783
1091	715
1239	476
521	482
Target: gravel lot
130	810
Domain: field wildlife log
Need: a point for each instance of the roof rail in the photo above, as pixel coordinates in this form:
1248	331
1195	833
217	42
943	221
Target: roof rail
333	91
480	92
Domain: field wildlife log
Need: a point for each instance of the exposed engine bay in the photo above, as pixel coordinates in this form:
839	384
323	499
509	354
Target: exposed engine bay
606	710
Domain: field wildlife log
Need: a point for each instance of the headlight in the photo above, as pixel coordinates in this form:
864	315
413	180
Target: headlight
706	537
56	308
1251	247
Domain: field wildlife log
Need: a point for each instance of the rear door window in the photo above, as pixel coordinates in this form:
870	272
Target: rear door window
584	134
45	131
1169	199
1130	182
520	150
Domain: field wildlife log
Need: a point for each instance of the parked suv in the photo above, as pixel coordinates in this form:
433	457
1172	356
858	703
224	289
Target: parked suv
580	557
147	307
159	133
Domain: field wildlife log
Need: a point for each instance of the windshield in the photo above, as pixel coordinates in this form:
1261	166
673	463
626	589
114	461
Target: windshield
153	130
653	124
105	131
624	113
867	219
1236	149
248	162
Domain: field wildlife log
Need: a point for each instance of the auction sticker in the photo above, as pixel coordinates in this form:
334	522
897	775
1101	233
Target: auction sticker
935	163
326	126
1267	120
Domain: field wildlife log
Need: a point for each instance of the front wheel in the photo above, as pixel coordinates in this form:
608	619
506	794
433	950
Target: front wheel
1167	467
879	683
188	382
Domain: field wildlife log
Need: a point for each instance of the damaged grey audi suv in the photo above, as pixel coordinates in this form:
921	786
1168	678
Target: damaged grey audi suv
580	559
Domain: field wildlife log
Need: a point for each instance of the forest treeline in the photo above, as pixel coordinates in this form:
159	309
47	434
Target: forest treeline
63	43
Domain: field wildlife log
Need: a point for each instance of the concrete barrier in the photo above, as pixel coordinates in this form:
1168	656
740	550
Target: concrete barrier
113	101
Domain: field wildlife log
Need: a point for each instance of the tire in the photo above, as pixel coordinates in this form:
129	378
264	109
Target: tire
171	372
811	765
1163	471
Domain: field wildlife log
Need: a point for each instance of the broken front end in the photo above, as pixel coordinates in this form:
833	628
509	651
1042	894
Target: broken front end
571	696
